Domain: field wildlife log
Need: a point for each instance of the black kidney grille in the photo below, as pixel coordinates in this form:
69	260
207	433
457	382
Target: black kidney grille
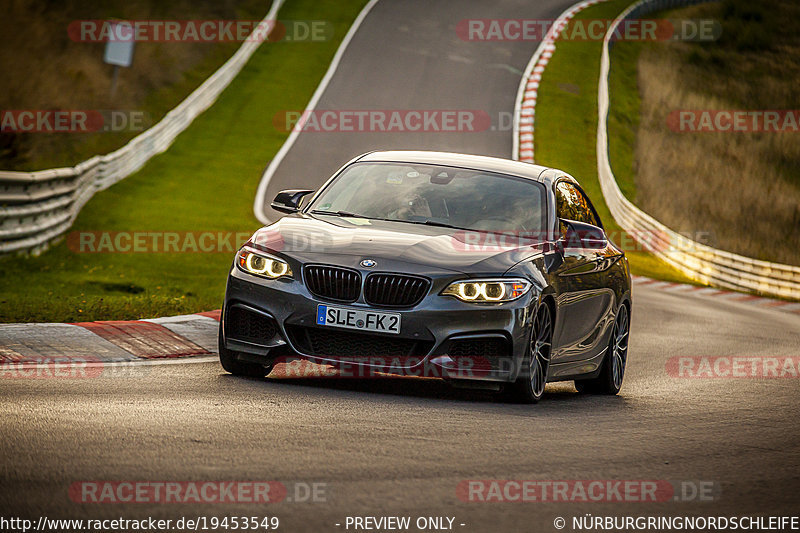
343	344
335	283
396	290
243	324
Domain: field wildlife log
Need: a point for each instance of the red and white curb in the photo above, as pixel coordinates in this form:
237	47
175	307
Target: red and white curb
115	341
194	337
731	296
529	87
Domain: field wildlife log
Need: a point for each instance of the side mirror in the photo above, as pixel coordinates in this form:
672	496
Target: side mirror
576	234
288	201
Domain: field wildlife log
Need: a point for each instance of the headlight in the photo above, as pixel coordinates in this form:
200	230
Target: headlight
262	265
488	290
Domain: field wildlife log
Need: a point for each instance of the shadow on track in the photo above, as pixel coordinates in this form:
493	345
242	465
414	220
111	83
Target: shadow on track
559	396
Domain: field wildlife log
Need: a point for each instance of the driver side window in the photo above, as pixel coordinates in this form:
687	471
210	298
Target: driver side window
572	204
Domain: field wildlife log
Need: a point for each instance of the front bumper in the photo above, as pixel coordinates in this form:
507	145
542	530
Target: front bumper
440	337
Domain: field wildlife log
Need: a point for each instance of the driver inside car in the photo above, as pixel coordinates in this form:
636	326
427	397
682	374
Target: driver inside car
412	206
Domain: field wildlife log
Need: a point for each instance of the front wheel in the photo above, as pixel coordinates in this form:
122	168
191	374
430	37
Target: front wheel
529	386
231	364
609	381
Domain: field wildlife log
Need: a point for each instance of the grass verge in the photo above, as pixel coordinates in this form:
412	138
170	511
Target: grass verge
205	182
566	128
736	190
44	68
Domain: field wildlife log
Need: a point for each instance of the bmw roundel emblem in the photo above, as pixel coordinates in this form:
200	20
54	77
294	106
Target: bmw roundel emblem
368	263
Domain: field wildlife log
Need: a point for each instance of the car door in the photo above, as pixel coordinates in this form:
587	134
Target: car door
585	302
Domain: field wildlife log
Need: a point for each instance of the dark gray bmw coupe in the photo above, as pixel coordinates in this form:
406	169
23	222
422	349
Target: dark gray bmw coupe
477	270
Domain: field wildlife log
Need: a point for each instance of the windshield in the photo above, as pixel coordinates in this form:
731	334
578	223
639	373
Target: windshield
426	194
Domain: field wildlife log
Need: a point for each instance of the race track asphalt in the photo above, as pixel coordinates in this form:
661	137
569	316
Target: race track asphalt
409	55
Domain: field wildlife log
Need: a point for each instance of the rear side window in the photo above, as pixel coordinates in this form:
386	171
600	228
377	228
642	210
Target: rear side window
572	204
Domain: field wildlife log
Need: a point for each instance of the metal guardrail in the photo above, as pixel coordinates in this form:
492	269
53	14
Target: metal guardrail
698	261
38	207
525	104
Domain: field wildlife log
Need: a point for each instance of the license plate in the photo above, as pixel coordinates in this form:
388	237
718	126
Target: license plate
358	319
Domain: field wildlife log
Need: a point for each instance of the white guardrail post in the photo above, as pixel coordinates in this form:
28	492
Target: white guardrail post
698	261
38	207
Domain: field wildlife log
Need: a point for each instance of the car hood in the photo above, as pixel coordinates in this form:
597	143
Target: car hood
346	241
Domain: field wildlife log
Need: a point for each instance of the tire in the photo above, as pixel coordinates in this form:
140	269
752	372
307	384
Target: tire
232	365
609	380
530	384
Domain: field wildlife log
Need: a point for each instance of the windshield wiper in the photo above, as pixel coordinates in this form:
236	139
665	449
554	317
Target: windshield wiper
427	222
336	213
354	215
439	224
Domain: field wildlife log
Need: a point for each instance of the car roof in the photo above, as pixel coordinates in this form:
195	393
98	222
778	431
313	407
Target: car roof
474	162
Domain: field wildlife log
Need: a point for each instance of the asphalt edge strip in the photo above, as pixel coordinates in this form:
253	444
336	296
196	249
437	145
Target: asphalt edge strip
144	339
713	292
184	337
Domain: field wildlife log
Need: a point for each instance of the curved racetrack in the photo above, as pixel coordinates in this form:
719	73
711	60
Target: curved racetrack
401	446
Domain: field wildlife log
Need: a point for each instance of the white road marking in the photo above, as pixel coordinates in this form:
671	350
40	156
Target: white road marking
258	206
